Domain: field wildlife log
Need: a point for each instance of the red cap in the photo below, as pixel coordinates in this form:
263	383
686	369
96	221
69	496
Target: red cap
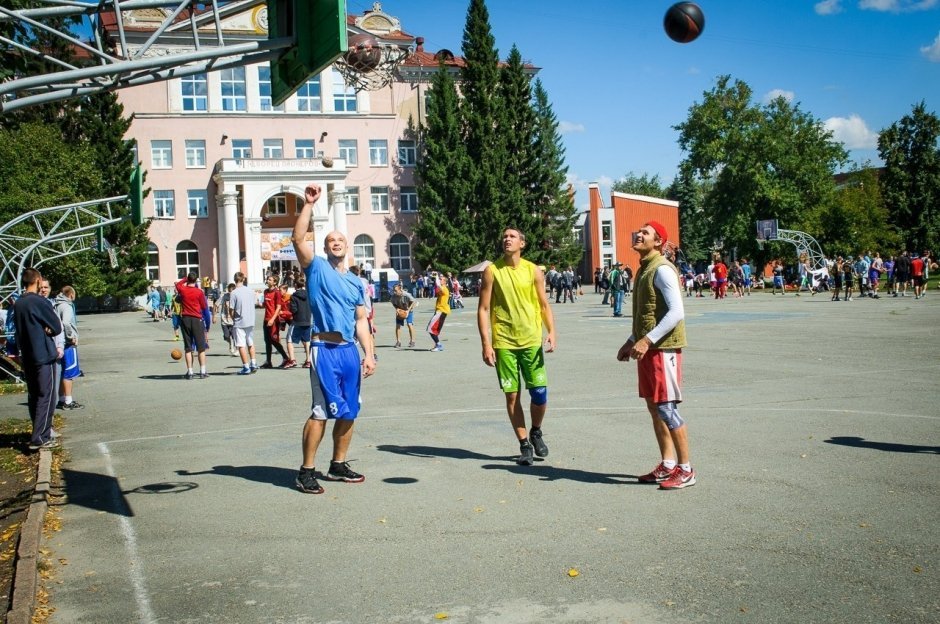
660	229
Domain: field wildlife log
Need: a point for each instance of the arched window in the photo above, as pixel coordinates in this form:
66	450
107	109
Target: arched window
187	258
364	250
153	262
399	250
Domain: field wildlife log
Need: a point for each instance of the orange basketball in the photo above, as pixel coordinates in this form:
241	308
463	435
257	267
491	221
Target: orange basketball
176	354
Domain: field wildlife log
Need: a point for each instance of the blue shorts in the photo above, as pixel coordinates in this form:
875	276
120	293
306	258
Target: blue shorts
410	319
300	334
335	379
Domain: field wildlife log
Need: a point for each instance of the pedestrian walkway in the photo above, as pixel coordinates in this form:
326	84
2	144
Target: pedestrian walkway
815	431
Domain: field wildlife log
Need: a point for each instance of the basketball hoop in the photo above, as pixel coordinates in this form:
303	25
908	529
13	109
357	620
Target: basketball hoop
370	64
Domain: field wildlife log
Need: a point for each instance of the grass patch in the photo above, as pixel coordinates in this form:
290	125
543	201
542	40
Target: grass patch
14	439
10	387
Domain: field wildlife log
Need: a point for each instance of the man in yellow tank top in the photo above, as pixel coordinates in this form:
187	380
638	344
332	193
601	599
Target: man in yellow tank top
512	310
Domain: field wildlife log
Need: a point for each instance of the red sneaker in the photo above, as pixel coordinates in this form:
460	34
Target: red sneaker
660	473
679	479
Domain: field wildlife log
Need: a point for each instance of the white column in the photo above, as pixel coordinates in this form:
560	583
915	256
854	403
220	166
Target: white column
253	250
228	235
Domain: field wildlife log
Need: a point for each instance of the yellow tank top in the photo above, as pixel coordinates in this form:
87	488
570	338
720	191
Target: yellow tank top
443	297
515	313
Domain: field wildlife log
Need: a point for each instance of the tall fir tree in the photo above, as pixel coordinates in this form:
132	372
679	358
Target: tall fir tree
481	107
444	231
549	187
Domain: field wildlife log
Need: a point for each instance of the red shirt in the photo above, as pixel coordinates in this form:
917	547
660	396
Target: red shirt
917	267
721	271
272	299
192	302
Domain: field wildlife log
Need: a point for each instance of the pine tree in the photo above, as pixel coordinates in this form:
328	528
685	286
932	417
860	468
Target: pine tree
550	188
480	108
444	231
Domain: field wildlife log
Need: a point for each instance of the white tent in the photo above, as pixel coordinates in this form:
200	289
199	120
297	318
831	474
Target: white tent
478	268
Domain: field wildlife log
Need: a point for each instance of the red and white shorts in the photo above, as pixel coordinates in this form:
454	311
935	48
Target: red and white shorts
659	373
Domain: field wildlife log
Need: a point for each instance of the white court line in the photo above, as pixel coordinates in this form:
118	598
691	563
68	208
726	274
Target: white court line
130	545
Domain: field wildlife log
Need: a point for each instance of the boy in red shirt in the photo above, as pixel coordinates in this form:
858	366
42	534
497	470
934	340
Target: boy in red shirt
192	306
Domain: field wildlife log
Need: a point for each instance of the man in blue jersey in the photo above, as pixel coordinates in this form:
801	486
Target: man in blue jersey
337	305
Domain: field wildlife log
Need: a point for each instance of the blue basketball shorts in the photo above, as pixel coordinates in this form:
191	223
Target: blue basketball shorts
335	380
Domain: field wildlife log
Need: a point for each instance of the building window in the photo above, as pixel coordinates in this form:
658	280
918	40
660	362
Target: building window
344	96
273	148
378	152
349	151
153	262
195	92
195	154
364	250
304	148
352	200
164	205
400	253
241	148
606	233
264	89
607	260
277	206
198	201
187	259
161	154
234	89
407	153
379	197
308	96
409	199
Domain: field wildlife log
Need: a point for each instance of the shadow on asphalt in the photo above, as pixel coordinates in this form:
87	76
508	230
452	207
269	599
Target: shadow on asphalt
891	447
550	473
283	477
95	491
437	451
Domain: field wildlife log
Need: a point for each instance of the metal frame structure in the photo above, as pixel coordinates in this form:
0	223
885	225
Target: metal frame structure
804	243
49	233
199	32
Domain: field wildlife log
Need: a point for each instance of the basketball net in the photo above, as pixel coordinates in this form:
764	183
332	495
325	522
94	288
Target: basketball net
361	78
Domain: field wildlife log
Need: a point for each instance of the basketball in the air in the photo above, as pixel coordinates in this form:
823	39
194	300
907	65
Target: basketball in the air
364	54
176	354
684	22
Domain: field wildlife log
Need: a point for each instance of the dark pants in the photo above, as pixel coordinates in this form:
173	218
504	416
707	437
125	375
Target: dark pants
272	339
40	383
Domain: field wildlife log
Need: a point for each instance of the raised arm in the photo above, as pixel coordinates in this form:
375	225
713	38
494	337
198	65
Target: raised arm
302	226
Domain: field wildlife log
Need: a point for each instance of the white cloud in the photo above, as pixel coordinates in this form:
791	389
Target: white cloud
851	131
773	94
828	7
932	51
567	127
897	6
605	181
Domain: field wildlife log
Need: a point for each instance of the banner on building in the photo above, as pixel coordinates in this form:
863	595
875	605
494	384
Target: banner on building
277	245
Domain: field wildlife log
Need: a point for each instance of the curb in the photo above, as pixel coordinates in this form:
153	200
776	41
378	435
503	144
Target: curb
26	579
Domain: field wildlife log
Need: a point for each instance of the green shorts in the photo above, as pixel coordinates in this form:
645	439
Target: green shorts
529	362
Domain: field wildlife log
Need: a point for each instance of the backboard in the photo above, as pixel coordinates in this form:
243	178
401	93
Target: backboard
318	28
767	229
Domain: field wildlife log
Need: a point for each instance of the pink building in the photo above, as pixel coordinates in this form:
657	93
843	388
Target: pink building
227	169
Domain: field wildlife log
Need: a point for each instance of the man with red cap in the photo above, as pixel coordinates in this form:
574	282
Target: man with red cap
656	344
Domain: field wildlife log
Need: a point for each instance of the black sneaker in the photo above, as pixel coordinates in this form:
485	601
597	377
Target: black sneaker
535	436
73	405
340	471
188	376
60	405
307	481
526	456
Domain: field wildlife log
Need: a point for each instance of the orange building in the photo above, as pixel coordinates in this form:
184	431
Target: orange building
610	229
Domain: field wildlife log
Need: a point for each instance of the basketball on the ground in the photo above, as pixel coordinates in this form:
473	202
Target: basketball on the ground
684	22
176	354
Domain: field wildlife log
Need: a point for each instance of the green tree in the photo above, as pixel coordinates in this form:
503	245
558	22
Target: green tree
444	232
640	185
758	162
693	219
911	180
481	108
552	193
520	196
856	220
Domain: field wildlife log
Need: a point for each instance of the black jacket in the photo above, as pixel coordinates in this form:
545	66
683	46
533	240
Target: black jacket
300	308
34	315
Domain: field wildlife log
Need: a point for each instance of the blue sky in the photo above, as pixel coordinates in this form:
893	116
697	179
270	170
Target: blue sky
618	84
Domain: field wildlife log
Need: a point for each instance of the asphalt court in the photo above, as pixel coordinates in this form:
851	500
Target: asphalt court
813	425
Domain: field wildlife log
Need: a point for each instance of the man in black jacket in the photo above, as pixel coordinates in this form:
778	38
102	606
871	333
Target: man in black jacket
302	321
36	324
